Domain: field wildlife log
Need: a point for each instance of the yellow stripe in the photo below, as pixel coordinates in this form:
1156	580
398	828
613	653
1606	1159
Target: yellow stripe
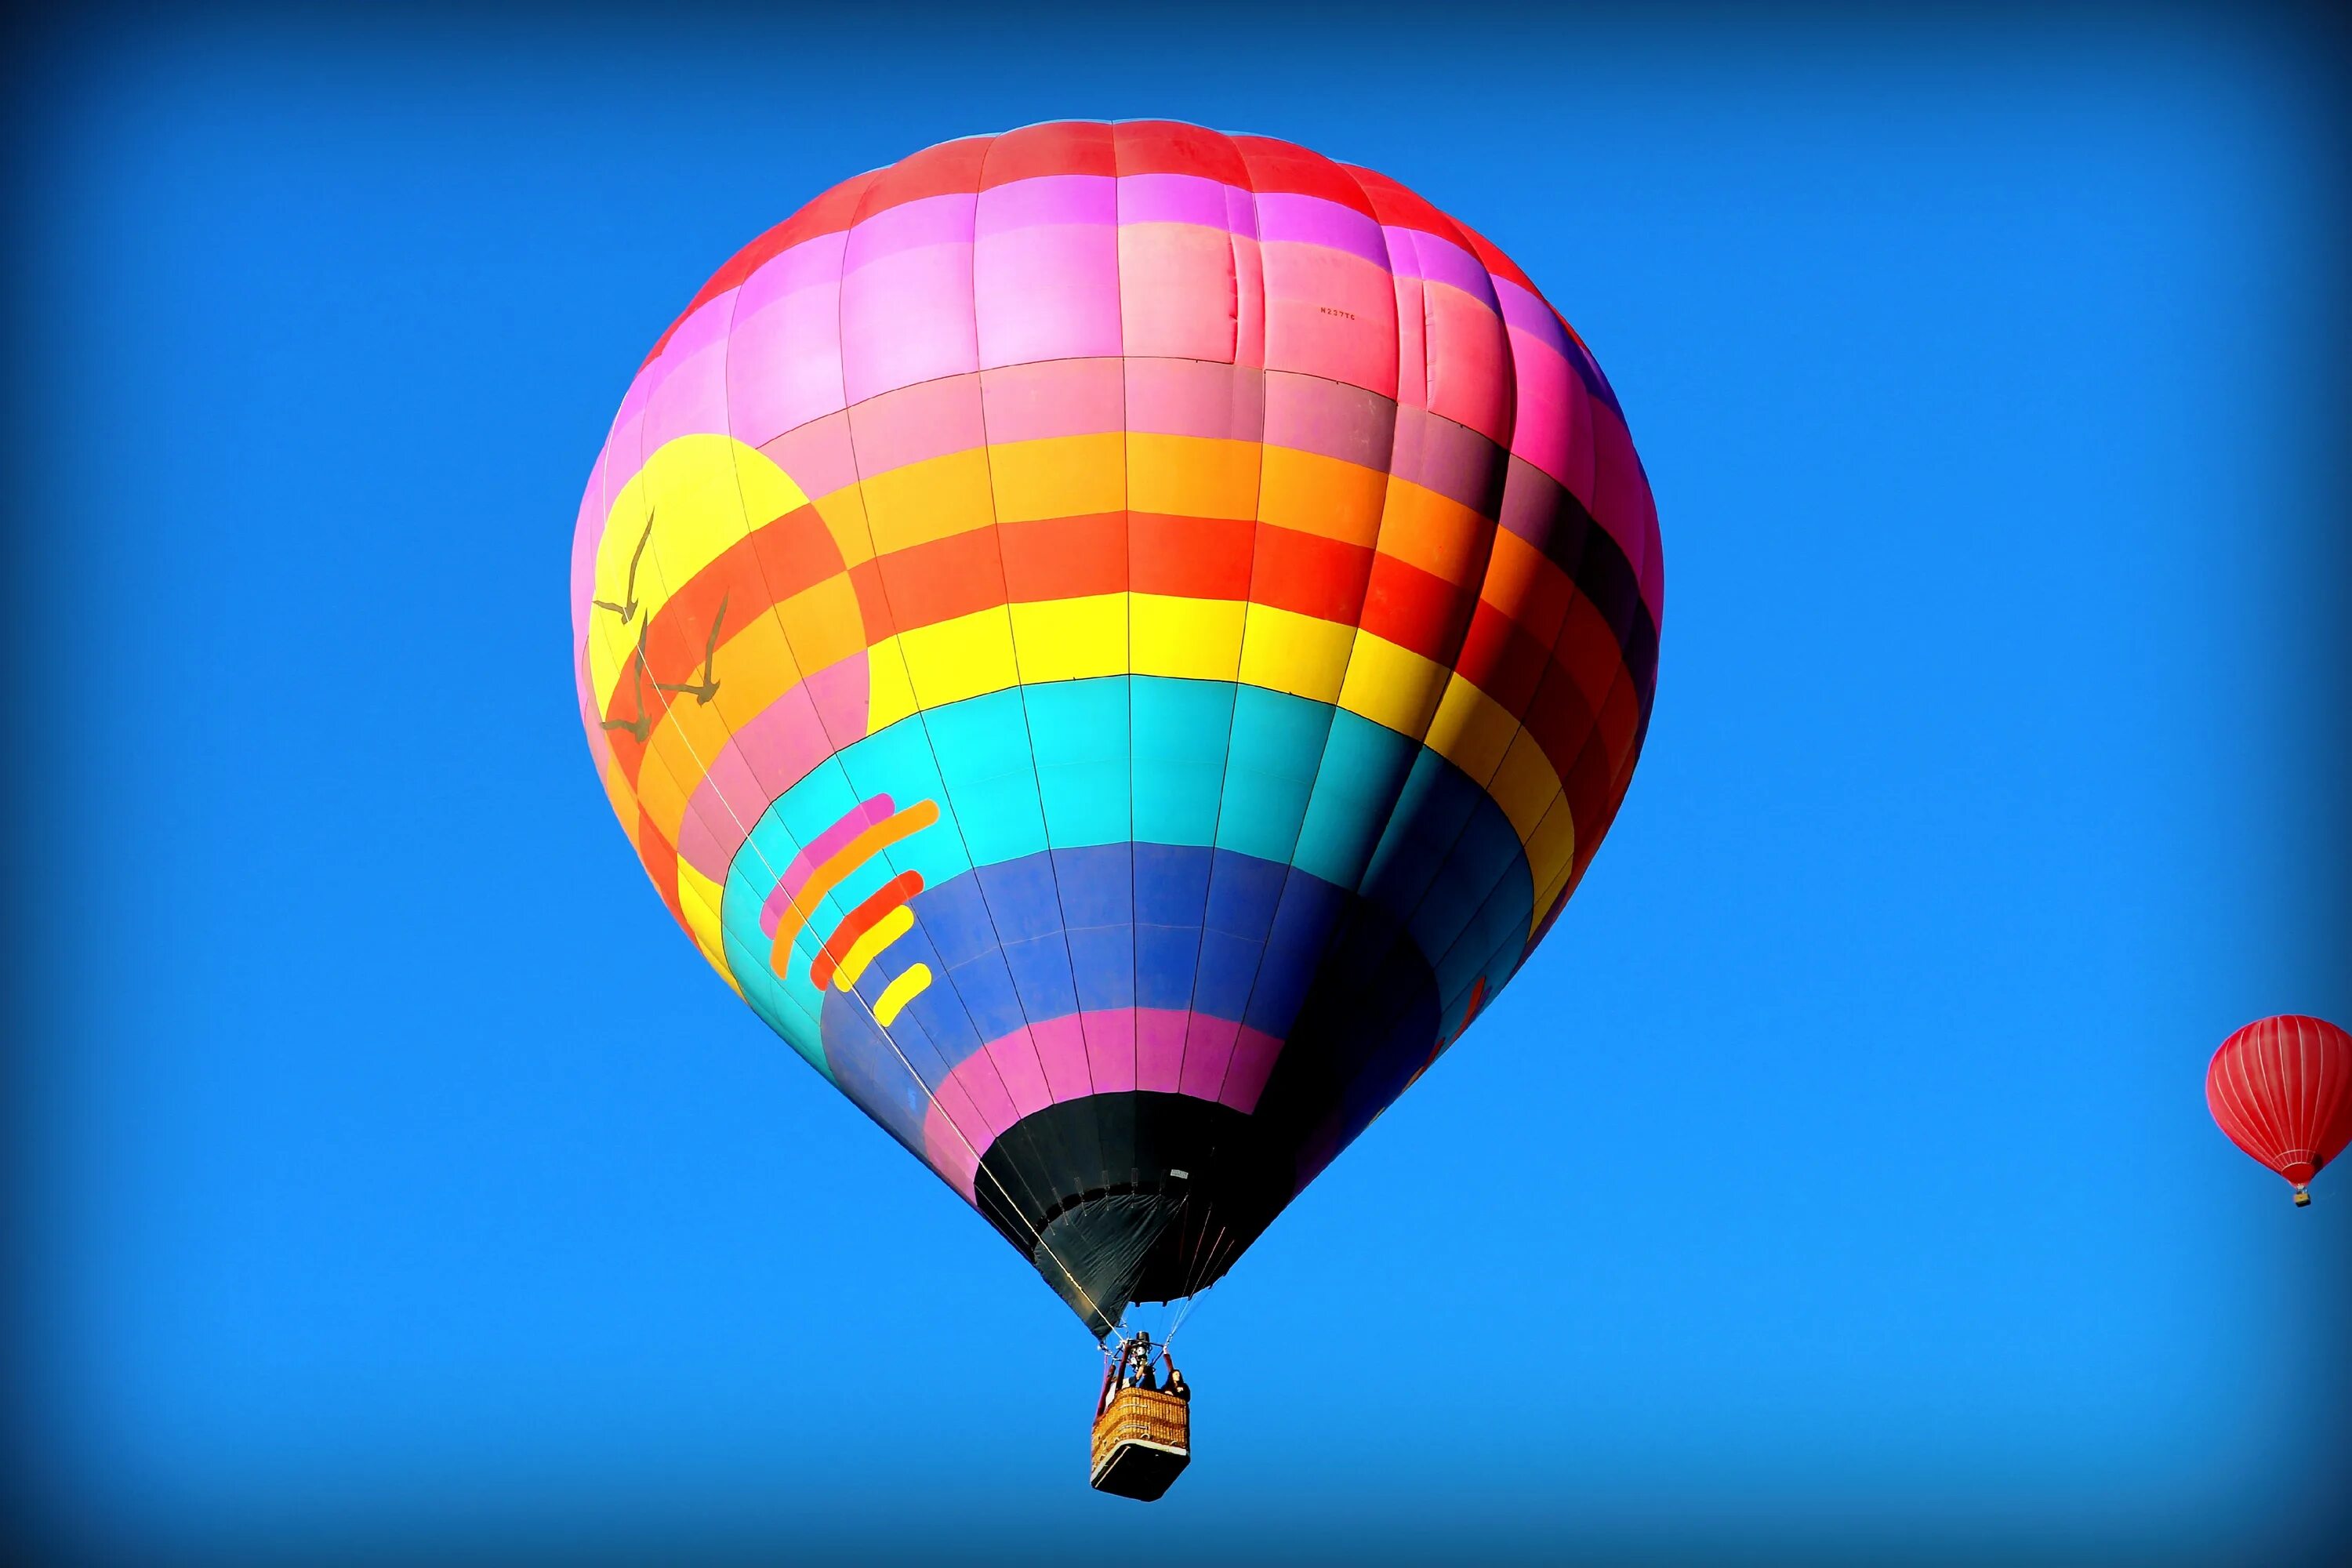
1071	640
900	991
867	948
1191	639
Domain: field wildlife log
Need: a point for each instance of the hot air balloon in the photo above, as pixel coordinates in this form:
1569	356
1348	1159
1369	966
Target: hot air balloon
1117	641
2282	1089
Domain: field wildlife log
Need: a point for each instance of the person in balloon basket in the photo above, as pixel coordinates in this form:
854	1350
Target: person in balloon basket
1138	1365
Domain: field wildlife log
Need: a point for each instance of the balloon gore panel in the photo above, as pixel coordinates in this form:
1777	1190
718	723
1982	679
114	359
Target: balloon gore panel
1117	641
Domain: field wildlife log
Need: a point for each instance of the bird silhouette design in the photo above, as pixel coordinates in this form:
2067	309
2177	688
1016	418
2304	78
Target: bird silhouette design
708	687
628	612
643	724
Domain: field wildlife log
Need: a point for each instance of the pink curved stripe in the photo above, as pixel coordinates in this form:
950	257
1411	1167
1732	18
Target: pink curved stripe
1066	1058
820	849
767	756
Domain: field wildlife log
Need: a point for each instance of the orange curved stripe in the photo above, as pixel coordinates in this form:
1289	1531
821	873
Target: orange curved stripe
830	875
860	920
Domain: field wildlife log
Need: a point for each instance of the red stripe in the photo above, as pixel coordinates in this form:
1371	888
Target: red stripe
943	578
1500	659
1189	557
659	858
1309	574
1415	610
1172	147
1287	168
858	921
1065	557
1064	147
776	561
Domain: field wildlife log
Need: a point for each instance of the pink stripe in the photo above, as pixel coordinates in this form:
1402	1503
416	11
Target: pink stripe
1047	199
1309	414
817	455
783	364
812	264
911	226
1189	199
907	316
690	398
1110	1049
818	850
1311	220
916	423
1061	1045
1526	313
1330	314
1158	1048
1208	1049
1468	359
1412	343
1178	291
1547	422
955	1158
1061	397
1189	398
778	748
1046	292
1622	500
1083	1053
1417	254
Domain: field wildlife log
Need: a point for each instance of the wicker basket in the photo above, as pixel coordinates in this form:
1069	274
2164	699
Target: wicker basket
1142	1443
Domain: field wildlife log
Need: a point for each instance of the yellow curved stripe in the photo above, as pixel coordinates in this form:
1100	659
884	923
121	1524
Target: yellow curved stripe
867	948
900	991
843	861
1254	645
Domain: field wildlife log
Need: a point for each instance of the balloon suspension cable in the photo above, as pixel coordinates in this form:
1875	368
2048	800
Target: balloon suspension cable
751	840
1044	1245
793	899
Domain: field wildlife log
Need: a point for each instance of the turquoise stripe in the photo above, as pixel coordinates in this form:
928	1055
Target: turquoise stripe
1179	747
1364	768
1079	732
1278	741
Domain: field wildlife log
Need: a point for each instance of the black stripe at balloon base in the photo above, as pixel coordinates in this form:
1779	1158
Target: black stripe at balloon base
1119	1198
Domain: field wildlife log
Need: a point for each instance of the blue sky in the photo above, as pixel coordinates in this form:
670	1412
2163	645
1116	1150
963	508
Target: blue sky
397	1175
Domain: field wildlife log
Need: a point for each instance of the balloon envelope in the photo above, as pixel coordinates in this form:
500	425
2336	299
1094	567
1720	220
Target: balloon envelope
1117	641
2282	1089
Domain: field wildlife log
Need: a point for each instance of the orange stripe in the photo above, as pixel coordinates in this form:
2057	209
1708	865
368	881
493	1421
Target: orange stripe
860	920
847	858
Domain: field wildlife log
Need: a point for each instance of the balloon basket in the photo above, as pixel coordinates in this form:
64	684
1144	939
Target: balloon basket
1143	1440
2301	1199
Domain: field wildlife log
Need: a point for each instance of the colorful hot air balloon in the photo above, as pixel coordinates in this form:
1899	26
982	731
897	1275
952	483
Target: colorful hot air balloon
2282	1089
1117	641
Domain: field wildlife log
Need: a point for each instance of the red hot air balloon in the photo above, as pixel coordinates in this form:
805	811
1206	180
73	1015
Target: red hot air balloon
2282	1089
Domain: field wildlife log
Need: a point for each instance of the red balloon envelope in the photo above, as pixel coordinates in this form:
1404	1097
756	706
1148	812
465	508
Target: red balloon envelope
2282	1089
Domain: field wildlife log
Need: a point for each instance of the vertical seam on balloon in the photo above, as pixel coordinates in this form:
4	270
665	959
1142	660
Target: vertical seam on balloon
2260	1118
1020	690
1355	640
634	652
1348	920
882	584
1405	938
1129	1103
835	746
1249	587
